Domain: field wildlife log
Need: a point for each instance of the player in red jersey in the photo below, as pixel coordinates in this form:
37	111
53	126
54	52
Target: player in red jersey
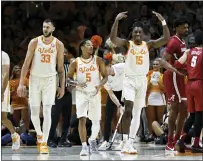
194	89
174	84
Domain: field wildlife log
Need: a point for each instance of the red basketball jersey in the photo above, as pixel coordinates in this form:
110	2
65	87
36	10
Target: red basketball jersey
195	64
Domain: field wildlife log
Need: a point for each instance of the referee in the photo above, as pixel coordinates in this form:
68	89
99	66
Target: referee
64	106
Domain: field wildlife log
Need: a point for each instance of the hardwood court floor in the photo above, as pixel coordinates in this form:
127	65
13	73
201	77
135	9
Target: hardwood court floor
146	152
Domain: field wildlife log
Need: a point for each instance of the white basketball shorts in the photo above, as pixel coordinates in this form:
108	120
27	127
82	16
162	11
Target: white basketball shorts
42	90
134	89
6	107
88	105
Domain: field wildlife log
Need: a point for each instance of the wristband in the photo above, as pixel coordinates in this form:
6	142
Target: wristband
163	23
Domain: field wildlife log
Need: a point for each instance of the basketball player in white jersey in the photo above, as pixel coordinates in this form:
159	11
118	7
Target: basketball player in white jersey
136	69
5	101
44	52
88	68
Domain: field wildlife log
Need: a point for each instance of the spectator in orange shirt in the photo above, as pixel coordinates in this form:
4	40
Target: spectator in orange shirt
19	104
155	99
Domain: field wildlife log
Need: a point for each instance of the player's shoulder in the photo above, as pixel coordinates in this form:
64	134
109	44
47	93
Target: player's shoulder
59	42
5	58
74	61
34	41
3	53
173	39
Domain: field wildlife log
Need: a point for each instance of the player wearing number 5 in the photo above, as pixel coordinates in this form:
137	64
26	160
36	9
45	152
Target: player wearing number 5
194	91
136	69
88	98
44	52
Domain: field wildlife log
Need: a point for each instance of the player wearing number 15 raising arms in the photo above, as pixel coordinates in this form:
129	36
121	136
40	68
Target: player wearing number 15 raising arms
136	69
44	52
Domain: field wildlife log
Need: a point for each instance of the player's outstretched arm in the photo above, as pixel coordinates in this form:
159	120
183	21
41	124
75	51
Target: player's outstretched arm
103	72
60	63
28	59
60	69
168	66
166	34
180	63
114	31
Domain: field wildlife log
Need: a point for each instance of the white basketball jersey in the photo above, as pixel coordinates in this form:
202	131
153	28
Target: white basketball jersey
44	60
137	59
6	102
88	72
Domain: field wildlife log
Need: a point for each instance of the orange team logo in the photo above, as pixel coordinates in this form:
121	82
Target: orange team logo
85	69
43	50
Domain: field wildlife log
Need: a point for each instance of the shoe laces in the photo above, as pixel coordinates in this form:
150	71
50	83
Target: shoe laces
14	138
131	147
93	144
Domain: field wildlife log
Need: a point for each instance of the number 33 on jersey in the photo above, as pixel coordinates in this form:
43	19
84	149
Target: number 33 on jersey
44	60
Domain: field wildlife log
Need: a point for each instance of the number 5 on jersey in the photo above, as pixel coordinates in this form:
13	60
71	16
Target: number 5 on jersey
194	61
88	77
45	58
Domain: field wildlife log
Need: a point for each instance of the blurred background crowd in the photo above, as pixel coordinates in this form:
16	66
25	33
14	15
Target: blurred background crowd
74	21
22	21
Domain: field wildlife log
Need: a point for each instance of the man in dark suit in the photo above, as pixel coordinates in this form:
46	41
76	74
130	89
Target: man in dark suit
64	106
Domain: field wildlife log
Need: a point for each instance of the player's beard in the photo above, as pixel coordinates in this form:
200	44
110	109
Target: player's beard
48	35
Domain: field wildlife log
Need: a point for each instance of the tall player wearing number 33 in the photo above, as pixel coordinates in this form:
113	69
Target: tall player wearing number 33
44	52
136	69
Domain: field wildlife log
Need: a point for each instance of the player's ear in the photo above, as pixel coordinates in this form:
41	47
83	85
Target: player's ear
53	29
82	47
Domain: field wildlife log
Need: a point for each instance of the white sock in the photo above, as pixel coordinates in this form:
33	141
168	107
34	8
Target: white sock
14	135
35	110
47	122
84	144
95	129
135	122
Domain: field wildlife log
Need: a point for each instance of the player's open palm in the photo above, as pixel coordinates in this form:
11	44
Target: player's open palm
60	92
158	15
121	15
22	91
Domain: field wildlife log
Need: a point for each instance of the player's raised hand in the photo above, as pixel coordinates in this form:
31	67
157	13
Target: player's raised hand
121	15
158	15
